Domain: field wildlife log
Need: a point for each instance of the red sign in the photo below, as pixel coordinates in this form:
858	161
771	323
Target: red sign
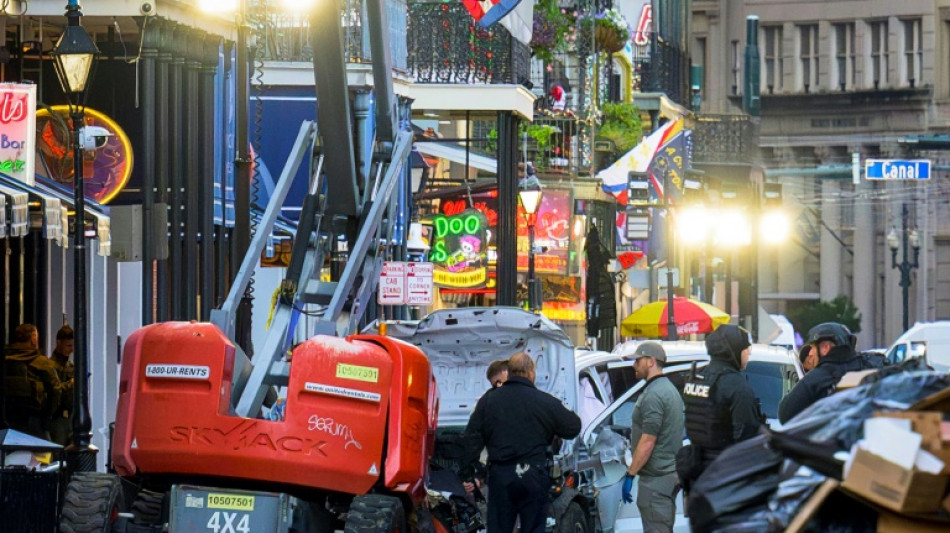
641	37
18	131
552	233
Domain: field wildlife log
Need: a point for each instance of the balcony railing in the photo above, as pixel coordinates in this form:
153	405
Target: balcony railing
663	68
446	45
284	36
554	144
724	139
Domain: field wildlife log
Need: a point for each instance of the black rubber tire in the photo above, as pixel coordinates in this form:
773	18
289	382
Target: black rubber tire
147	508
574	520
91	504
375	513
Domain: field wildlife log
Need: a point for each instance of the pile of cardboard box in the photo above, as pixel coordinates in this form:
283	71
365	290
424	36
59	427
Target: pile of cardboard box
901	468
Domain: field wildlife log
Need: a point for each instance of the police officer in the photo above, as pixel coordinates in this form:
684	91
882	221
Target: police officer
31	385
721	407
517	423
836	357
60	426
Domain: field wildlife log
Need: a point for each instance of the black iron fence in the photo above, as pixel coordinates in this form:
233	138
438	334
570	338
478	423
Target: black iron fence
724	139
285	36
446	45
664	68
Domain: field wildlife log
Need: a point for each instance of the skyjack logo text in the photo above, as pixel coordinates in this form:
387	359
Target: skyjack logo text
245	436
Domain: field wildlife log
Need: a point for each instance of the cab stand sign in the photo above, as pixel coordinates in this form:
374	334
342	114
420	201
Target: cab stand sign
402	283
197	509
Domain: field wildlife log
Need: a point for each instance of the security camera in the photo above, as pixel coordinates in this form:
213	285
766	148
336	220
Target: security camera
92	138
147	9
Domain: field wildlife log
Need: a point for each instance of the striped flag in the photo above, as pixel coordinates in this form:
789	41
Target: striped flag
488	12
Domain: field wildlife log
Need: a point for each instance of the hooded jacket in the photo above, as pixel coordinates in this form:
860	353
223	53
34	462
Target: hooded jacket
30	381
732	391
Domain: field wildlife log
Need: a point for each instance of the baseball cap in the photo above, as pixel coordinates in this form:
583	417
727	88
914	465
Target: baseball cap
650	349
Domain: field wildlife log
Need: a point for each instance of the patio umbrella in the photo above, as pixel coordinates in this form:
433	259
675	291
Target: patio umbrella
691	316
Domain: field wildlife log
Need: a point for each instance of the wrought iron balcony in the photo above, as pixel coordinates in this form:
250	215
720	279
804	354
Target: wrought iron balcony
662	67
285	36
553	142
724	139
446	45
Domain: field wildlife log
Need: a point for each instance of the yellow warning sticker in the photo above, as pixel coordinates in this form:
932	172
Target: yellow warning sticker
358	373
233	502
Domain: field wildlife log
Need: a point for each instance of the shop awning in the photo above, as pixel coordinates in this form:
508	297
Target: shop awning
457	155
54	205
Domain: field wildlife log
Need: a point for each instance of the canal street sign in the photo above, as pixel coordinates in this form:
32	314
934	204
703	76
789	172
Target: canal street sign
897	169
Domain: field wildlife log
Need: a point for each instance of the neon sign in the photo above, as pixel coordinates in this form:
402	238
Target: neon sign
105	171
18	130
459	246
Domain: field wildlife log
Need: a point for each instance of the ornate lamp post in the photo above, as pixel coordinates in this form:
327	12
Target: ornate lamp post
905	266
530	198
73	57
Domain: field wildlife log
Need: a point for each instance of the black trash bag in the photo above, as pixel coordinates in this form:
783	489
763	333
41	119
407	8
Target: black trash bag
741	478
731	488
839	419
819	457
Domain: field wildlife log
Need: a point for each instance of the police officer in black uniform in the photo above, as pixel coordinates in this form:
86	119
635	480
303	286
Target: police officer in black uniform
721	407
836	357
517	423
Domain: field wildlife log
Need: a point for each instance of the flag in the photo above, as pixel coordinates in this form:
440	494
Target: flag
488	12
614	178
670	162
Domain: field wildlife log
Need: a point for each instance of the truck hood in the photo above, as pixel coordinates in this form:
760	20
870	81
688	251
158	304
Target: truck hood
461	343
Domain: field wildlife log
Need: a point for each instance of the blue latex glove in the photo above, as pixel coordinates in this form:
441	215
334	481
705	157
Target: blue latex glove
625	495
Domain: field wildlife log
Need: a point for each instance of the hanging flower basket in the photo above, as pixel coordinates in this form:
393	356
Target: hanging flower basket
608	39
608	29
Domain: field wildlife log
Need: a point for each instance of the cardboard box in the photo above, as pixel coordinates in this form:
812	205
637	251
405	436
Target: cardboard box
929	424
853	379
895	523
893	486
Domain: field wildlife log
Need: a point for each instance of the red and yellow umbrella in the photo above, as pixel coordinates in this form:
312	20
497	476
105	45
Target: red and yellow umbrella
691	316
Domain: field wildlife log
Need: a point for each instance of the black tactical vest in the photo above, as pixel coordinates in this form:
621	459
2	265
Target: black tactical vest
708	425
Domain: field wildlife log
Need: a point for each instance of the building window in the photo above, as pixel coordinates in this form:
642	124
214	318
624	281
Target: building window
772	59
879	53
808	56
913	51
844	56
736	67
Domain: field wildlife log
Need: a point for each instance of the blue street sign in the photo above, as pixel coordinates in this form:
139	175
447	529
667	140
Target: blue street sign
897	169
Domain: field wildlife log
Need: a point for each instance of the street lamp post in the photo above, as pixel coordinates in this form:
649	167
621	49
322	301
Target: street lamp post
905	266
74	56
530	197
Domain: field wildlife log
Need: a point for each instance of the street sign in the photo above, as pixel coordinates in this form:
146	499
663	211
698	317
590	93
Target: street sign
897	169
392	283
419	283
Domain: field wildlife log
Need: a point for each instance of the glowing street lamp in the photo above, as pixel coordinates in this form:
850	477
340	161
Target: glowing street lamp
74	56
530	198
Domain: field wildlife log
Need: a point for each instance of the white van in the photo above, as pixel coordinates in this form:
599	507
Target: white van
930	340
